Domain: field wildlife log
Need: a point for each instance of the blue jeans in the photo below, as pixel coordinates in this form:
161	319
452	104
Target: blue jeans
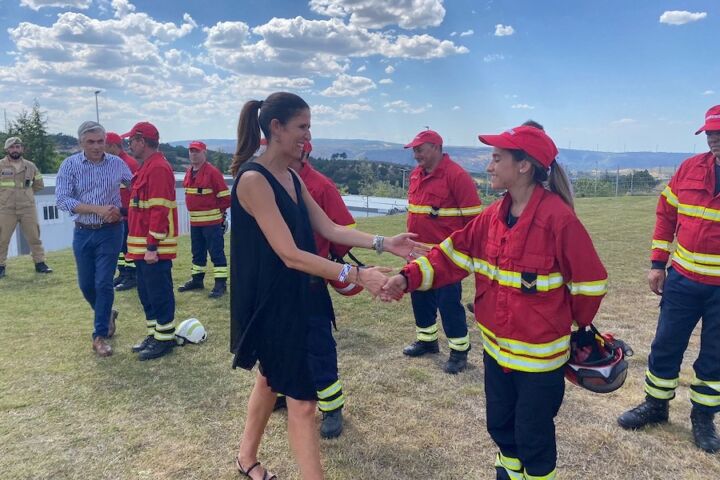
96	255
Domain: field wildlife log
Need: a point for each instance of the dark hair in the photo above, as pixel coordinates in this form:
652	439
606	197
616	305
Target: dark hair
534	124
151	142
256	116
557	180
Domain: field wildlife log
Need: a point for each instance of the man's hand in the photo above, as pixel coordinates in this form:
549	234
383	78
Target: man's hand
394	289
109	213
656	279
373	279
151	257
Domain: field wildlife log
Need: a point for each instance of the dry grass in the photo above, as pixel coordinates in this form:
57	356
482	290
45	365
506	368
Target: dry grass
66	414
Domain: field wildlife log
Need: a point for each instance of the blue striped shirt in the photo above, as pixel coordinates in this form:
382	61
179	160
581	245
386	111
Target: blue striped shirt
82	181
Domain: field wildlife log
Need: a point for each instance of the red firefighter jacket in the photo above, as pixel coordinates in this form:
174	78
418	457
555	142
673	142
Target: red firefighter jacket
153	218
531	281
689	211
206	195
441	201
325	193
125	191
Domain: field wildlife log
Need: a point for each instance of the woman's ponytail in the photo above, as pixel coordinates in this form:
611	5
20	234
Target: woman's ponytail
248	135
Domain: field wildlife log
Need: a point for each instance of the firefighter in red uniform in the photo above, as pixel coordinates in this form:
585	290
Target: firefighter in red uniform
126	267
536	271
688	211
442	198
152	242
207	197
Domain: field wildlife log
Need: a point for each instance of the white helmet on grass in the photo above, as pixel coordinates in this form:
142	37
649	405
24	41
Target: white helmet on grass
190	331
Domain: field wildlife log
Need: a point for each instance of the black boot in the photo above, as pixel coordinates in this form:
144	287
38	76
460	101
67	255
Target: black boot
41	267
703	429
195	283
652	411
419	348
332	424
156	349
219	289
120	277
501	474
2	271
457	362
140	346
127	282
470	307
280	403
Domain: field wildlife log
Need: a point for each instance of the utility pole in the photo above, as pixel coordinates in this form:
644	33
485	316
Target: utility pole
617	180
97	109
632	178
5	115
596	176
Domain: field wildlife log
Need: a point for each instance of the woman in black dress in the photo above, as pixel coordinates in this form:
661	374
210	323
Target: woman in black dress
272	267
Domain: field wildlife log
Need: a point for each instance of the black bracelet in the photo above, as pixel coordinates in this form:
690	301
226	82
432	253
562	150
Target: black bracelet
407	280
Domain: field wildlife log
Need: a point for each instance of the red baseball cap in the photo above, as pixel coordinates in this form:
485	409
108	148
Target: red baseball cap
531	140
112	138
426	136
145	130
307	148
712	120
197	145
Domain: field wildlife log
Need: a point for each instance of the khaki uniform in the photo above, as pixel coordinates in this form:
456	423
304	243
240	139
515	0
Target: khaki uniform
17	205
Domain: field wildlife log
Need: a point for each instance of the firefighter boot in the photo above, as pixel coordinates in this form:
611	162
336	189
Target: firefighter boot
143	344
195	283
120	277
457	362
41	267
419	348
2	271
703	430
219	289
127	282
651	411
332	424
156	349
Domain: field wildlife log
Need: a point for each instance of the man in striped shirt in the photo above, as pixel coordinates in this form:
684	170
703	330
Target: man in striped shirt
88	186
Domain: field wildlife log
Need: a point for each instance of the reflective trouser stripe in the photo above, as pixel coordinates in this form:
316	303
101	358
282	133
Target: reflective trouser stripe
150	325
512	466
331	398
121	260
129	263
427	334
165	332
220	272
703	399
461	344
660	388
198	269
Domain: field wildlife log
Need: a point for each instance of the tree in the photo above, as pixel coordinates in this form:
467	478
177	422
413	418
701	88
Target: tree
38	147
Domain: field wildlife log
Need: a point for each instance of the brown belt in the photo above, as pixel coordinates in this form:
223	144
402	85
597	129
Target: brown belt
95	226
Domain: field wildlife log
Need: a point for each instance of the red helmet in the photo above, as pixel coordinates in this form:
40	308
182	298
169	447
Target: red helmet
346	289
597	361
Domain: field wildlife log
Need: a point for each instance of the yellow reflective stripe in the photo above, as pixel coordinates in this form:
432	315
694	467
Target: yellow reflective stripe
163	337
439	212
662	382
507	462
224	193
427	334
705	383
196	191
208	218
143	240
427	271
471	211
165	327
461	344
590	289
670	197
524	364
198	269
707	400
706	258
550	476
158	235
458	258
661	245
160	250
155	202
516	347
695	267
352	225
332	405
330	391
508	278
659	394
202	213
7	183
698	211
220	272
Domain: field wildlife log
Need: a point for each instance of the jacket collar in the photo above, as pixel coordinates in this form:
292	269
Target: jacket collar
521	229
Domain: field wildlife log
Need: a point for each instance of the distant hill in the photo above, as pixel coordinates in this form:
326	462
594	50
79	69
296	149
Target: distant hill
474	159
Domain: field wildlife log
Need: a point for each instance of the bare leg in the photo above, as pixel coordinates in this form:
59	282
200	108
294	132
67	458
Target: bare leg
260	406
304	438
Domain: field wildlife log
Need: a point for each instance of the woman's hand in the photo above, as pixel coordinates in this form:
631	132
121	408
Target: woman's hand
394	288
405	247
373	279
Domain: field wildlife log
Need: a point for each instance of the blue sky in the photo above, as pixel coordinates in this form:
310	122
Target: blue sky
615	75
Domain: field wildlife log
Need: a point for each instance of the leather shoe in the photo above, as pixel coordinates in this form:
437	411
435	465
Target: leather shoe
101	347
41	267
111	325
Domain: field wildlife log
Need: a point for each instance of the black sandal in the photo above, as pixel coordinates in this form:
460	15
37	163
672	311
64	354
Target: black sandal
253	466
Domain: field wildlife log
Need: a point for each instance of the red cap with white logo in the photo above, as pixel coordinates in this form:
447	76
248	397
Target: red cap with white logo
531	140
712	120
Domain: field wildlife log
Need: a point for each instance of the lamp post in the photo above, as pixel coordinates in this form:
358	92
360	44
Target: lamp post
97	109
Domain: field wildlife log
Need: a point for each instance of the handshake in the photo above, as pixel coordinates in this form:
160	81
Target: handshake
108	213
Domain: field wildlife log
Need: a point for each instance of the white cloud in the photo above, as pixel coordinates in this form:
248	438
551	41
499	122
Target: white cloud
493	57
681	17
385	81
709	92
467	33
348	86
407	14
623	121
226	35
456	108
122	8
38	4
522	106
327	115
453	34
389	69
503	30
401	106
360	69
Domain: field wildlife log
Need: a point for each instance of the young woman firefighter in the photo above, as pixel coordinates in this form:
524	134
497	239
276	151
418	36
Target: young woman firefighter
272	268
536	272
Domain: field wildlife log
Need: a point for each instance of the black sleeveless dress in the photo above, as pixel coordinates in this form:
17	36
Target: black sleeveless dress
269	302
